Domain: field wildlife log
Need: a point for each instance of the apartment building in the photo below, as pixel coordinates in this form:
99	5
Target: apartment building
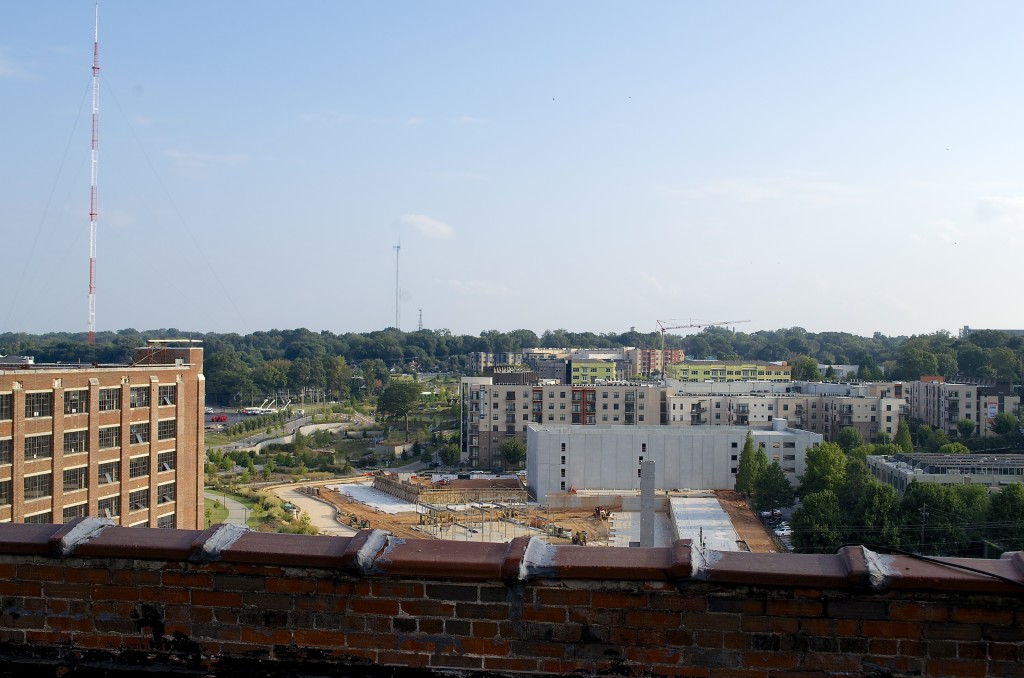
478	361
729	370
942	405
495	408
582	371
869	410
643	362
117	441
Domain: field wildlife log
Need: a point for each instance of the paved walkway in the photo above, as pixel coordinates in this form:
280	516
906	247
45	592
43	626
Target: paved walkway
237	512
321	514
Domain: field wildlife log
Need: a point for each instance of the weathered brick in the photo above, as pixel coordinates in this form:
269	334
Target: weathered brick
715	622
544	614
479	611
222	582
216	598
976	615
318	638
392	589
427	608
734	605
563	597
795	608
290	585
956	667
950	631
891	629
520	664
453	592
856	609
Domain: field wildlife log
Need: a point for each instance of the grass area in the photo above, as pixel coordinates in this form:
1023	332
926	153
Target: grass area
214	495
215	510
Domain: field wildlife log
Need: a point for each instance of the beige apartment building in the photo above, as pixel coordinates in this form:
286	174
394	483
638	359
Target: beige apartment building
494	409
942	405
116	441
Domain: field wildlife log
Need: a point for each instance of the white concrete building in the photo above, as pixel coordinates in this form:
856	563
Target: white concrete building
566	458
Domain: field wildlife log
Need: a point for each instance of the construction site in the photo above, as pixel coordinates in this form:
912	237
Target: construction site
494	509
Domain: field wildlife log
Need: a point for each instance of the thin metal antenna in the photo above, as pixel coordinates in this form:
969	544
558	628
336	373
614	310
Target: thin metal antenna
398	317
93	173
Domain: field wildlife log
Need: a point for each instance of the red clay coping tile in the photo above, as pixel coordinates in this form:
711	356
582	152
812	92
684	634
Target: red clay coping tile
289	550
437	559
368	552
22	538
140	543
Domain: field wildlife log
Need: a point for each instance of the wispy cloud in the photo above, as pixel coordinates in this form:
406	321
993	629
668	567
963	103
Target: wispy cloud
469	120
1000	208
784	188
428	227
11	70
197	160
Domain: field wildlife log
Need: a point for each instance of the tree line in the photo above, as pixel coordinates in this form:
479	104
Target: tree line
240	367
841	502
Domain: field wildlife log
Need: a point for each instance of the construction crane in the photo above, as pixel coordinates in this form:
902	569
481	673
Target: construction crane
664	327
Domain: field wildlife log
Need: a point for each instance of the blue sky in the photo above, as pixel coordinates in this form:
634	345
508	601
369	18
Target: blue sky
579	165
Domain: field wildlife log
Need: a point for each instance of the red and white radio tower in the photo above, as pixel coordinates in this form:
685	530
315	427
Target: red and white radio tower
92	182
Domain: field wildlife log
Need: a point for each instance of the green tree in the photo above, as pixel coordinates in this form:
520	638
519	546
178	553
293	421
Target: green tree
1006	513
965	427
450	454
1004	424
513	451
849	438
825	469
398	399
805	368
883	438
818	523
772	489
746	468
954	448
1004	361
902	439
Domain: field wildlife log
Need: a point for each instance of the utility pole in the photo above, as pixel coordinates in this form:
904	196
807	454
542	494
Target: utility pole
924	517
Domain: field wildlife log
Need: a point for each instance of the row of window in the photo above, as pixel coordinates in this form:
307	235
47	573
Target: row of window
40	486
76	442
40	403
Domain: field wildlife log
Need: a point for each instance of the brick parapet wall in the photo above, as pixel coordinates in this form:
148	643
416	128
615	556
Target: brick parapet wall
226	601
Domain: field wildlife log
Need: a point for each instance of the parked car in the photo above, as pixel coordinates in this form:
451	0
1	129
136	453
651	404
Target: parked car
219	417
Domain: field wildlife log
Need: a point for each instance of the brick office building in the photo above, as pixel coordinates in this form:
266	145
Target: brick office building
117	441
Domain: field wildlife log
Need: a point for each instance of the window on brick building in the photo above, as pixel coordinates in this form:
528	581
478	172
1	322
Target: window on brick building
5	492
166	461
166	395
166	522
165	493
138	500
110	436
39	447
76	402
44	518
76	511
38	486
76	478
138	433
6	451
109	507
109	472
76	441
166	429
138	396
138	466
39	404
5	406
109	399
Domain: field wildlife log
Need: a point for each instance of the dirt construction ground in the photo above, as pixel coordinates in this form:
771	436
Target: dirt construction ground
747	526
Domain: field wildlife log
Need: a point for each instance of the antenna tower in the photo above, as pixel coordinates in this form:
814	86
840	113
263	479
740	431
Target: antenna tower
420	326
398	323
93	175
